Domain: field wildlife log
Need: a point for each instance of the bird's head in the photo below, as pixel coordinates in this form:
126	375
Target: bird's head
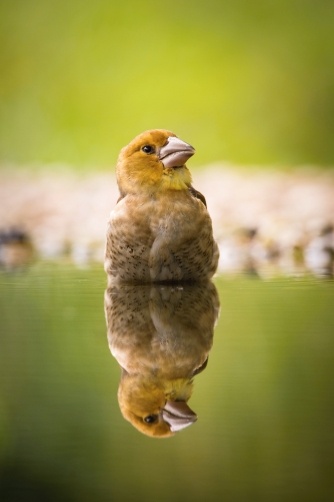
155	409
154	161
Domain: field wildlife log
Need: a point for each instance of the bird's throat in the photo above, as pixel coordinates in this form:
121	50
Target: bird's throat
175	179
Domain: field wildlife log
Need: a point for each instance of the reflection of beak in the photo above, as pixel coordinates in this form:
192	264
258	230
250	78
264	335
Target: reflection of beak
175	153
178	415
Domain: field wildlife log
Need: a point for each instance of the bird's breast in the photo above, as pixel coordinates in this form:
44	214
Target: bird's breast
161	238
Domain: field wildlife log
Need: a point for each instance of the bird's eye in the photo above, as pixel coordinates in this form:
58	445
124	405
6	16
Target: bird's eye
150	419
148	149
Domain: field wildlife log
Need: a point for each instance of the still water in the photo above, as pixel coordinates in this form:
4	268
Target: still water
260	355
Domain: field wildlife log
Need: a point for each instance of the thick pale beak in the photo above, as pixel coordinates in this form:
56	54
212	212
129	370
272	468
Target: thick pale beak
178	415
175	153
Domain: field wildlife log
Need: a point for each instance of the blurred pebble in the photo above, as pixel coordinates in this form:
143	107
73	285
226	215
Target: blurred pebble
319	253
16	249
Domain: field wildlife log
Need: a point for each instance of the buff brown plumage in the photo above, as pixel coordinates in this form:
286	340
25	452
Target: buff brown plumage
160	229
161	337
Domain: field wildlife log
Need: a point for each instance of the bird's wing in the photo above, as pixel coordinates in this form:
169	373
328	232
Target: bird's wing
201	368
121	197
197	195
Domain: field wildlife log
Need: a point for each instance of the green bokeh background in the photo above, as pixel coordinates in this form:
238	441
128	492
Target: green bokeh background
243	82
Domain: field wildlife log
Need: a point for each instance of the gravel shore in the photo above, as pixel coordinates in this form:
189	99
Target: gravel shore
266	222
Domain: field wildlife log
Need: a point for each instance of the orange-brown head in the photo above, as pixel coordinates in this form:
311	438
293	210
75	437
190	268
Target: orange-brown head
154	161
155	407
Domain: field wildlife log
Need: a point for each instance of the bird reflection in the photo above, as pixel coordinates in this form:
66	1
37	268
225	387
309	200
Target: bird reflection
161	336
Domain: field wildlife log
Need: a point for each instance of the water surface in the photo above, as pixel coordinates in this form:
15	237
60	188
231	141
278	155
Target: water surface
264	401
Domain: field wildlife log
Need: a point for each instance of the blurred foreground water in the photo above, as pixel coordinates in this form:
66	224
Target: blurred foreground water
264	402
266	222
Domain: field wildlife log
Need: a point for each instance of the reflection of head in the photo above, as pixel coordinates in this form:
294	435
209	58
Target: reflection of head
161	336
153	409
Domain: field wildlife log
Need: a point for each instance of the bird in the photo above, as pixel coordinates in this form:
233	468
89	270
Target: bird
160	229
161	336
